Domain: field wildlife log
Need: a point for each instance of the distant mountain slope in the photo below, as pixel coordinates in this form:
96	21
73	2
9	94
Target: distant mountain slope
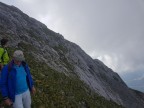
43	46
134	80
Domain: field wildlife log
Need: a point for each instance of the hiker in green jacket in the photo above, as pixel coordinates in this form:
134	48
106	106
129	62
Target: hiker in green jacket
4	57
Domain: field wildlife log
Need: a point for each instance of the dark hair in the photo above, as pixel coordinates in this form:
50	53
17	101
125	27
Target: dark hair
4	41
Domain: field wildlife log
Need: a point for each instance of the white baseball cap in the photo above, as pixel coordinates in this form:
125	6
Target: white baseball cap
18	55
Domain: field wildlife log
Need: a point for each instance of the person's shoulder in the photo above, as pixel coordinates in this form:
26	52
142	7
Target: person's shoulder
24	64
5	67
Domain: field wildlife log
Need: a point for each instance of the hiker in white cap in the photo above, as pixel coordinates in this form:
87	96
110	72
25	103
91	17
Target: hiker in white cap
16	82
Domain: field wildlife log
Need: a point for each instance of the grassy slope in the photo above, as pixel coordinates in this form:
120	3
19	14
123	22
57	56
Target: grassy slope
56	90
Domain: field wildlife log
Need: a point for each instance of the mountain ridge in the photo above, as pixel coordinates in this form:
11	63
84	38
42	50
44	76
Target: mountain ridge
64	56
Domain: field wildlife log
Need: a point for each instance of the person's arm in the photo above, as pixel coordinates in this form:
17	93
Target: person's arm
3	82
8	102
33	90
1	53
1	66
4	86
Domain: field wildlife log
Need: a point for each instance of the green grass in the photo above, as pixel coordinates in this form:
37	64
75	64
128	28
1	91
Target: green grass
56	90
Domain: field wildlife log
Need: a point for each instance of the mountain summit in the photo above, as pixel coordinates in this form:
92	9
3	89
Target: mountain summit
49	52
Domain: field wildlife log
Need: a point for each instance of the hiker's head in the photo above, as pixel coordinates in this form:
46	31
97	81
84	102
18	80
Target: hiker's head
18	57
4	42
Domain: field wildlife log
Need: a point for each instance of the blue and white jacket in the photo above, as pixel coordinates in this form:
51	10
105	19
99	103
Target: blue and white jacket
8	80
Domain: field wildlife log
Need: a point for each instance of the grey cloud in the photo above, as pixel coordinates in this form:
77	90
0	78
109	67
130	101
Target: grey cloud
107	27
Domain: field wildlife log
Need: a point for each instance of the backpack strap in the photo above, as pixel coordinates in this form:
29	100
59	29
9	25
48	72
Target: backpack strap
10	66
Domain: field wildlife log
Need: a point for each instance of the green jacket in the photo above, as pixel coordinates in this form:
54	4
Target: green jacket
5	56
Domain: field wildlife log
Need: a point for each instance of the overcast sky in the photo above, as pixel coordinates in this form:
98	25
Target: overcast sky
110	30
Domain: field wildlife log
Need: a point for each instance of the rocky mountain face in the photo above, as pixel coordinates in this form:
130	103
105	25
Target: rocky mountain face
65	57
